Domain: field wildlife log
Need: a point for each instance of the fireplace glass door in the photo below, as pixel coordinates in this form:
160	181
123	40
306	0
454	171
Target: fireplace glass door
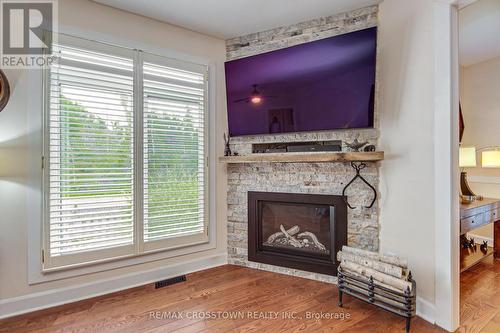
304	229
296	230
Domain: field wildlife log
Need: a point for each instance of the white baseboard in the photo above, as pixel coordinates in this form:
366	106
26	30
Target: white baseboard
37	301
426	310
480	239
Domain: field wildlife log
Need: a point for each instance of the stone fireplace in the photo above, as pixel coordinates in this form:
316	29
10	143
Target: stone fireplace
326	179
302	231
299	178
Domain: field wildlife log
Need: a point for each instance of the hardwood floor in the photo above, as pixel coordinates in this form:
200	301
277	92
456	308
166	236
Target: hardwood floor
480	298
249	294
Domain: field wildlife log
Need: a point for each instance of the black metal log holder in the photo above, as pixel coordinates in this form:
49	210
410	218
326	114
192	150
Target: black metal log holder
365	289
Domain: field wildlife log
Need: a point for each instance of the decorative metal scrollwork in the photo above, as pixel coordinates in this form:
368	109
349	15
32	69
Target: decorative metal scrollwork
358	167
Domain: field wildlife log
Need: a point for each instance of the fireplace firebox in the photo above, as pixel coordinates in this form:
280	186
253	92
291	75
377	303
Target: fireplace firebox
301	231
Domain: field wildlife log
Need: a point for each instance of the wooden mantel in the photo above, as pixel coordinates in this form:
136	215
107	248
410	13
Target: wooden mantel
305	157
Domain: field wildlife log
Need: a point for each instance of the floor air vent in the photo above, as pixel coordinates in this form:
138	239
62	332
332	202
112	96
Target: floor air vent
168	282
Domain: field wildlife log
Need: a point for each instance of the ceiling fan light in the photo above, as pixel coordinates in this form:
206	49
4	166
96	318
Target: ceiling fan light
256	99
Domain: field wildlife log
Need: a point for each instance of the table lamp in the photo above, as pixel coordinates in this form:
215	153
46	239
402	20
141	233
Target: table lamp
490	159
467	159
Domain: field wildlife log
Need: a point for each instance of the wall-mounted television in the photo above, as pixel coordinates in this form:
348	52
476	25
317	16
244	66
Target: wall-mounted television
327	84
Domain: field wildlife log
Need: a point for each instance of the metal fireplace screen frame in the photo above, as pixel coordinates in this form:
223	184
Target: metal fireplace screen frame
292	259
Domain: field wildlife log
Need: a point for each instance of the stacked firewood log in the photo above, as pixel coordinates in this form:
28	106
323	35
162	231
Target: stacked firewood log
386	270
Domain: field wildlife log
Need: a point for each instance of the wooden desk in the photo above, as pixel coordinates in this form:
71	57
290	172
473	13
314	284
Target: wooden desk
475	215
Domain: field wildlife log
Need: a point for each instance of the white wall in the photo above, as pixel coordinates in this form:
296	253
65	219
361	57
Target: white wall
418	107
481	107
480	100
406	107
20	178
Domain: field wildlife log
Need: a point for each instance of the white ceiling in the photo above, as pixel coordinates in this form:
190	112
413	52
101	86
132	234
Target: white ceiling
479	32
231	18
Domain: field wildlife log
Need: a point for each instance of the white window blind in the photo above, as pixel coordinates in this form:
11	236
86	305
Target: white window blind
174	153
125	146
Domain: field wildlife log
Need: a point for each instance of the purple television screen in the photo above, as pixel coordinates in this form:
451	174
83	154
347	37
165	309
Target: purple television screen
323	85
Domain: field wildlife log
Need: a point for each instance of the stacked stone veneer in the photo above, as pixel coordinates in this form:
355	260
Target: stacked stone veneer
314	178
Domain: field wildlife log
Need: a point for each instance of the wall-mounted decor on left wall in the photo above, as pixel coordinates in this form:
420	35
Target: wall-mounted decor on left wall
4	90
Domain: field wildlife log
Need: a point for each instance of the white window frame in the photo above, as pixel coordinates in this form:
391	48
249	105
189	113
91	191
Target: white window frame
162	249
189	240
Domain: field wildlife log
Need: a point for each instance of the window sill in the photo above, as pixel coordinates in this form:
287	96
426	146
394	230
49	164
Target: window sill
47	275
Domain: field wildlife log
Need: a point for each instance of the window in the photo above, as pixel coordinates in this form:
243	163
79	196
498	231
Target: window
174	155
125	152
